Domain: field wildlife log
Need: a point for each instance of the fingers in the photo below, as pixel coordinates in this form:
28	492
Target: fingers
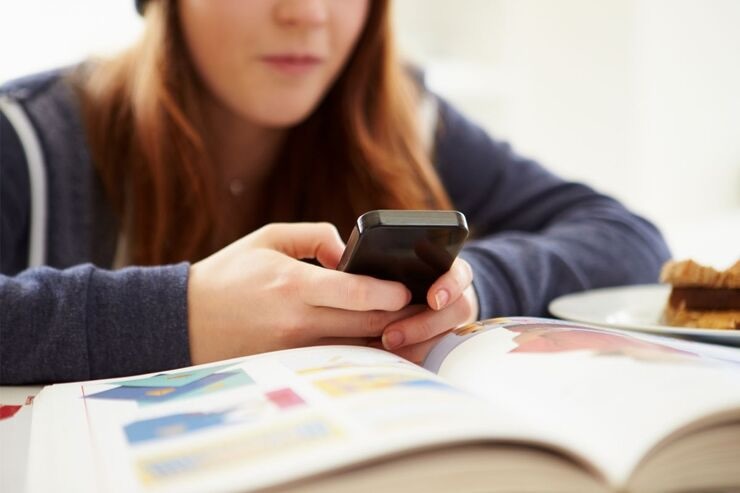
320	325
330	288
417	353
332	323
428	324
302	240
450	285
327	287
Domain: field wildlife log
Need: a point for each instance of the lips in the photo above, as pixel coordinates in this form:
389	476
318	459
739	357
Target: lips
293	64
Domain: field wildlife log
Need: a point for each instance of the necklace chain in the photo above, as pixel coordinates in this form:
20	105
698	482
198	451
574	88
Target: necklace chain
236	187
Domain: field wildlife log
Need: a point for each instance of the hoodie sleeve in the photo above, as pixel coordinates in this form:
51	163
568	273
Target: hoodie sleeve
535	235
82	322
85	322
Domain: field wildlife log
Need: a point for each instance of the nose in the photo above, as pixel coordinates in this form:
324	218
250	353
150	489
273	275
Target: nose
302	13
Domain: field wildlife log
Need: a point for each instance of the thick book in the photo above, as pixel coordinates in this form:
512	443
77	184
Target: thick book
515	404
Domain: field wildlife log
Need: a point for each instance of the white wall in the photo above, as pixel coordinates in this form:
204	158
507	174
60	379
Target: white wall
40	34
640	98
687	54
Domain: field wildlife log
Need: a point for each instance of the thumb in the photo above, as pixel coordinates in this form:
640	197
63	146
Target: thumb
304	240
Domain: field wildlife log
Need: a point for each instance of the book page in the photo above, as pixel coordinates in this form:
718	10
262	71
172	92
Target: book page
247	423
608	395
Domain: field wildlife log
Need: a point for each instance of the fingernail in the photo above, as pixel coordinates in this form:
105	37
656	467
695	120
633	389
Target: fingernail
392	339
441	297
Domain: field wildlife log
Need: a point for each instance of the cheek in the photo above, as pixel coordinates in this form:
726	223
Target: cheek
348	21
215	41
222	39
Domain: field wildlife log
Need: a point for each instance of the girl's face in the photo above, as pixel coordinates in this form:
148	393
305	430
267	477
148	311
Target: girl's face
270	61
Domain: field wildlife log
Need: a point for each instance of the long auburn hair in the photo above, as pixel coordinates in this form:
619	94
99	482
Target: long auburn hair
360	149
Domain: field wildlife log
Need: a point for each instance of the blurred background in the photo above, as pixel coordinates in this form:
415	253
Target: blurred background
638	98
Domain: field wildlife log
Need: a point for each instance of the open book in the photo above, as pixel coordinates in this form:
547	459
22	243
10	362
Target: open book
515	404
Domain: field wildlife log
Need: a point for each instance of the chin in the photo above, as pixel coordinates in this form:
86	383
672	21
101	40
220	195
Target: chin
283	119
282	113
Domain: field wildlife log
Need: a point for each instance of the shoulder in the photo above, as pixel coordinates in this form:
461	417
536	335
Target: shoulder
35	111
44	107
441	125
34	86
44	157
457	143
48	100
455	130
445	130
17	122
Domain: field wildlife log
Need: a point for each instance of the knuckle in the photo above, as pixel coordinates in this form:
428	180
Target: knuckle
375	322
266	234
469	269
285	284
268	229
460	279
289	330
462	273
464	311
357	294
328	228
423	330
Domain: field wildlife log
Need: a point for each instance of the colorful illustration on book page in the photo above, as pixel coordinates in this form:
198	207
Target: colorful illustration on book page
539	335
174	378
167	387
319	360
175	425
549	338
534	335
284	398
252	408
353	384
8	410
237	450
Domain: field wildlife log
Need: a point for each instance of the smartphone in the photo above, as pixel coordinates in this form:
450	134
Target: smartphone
412	247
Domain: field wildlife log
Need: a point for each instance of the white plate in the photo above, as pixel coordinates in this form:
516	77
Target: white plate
632	308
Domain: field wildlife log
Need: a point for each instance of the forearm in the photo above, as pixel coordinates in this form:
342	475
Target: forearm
85	322
596	244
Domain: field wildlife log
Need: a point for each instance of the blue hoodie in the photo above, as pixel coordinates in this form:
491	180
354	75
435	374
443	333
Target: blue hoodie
65	315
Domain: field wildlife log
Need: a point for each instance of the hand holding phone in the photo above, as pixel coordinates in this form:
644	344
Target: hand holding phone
410	246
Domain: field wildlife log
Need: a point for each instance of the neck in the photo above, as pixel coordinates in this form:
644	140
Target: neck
241	150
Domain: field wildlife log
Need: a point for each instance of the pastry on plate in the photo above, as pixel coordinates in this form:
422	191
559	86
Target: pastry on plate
702	296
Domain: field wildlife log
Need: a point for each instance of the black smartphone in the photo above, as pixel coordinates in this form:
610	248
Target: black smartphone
412	247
